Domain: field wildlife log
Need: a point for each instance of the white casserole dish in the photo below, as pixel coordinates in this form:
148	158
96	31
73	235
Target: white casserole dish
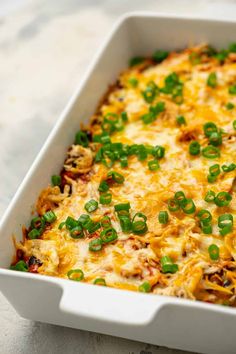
166	321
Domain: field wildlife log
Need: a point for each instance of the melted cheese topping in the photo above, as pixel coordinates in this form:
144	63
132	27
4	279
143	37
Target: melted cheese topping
132	259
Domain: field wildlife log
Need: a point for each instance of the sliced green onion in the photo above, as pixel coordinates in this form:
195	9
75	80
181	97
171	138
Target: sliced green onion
56	180
105	221
100	281
142	153
83	219
103	138
226	230
77	232
179	197
204	216
136	61
221	55
214	252
92	226
232	90
75	274
188	206
81	138
61	225
158	151
181	120
232	47
91	206
194	148
123	161
105	198
133	81
103	186
206	228
163	217
50	216
150	93
33	234
209	197
148	118
225	220
139	227
228	168
122	206
234	124
38	223
153	165
145	287
212	80
168	266
115	177
209	128
211	152
160	55
229	106
223	199
108	235
215	138
214	170
125	223
124	116
95	245
71	223
211	178
173	204
20	266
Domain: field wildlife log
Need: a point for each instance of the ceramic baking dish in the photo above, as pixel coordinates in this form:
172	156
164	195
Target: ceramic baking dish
166	321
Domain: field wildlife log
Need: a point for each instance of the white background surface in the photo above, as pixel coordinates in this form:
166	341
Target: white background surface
45	47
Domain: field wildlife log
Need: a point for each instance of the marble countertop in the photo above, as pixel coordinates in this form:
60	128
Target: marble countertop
45	47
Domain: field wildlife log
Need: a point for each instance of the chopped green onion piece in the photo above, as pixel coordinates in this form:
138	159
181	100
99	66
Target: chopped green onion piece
75	274
228	168
103	186
194	148
77	232
153	165
181	120
215	138
232	90
211	178
214	170
209	128
225	220
229	106
168	266
210	197
20	266
139	227
234	124
173	205
50	216
141	216
38	223
160	55
125	223
204	216
100	281
124	116
133	81
211	152
136	61
150	93
91	206
108	235
221	55
179	197
226	230
223	199
145	287
61	225
33	234
105	198
122	206
163	217
56	180
83	219
115	177
103	138
70	223
105	221
206	228
214	252
123	161
158	151
212	80
232	47
188	206
81	138
142	153
95	245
